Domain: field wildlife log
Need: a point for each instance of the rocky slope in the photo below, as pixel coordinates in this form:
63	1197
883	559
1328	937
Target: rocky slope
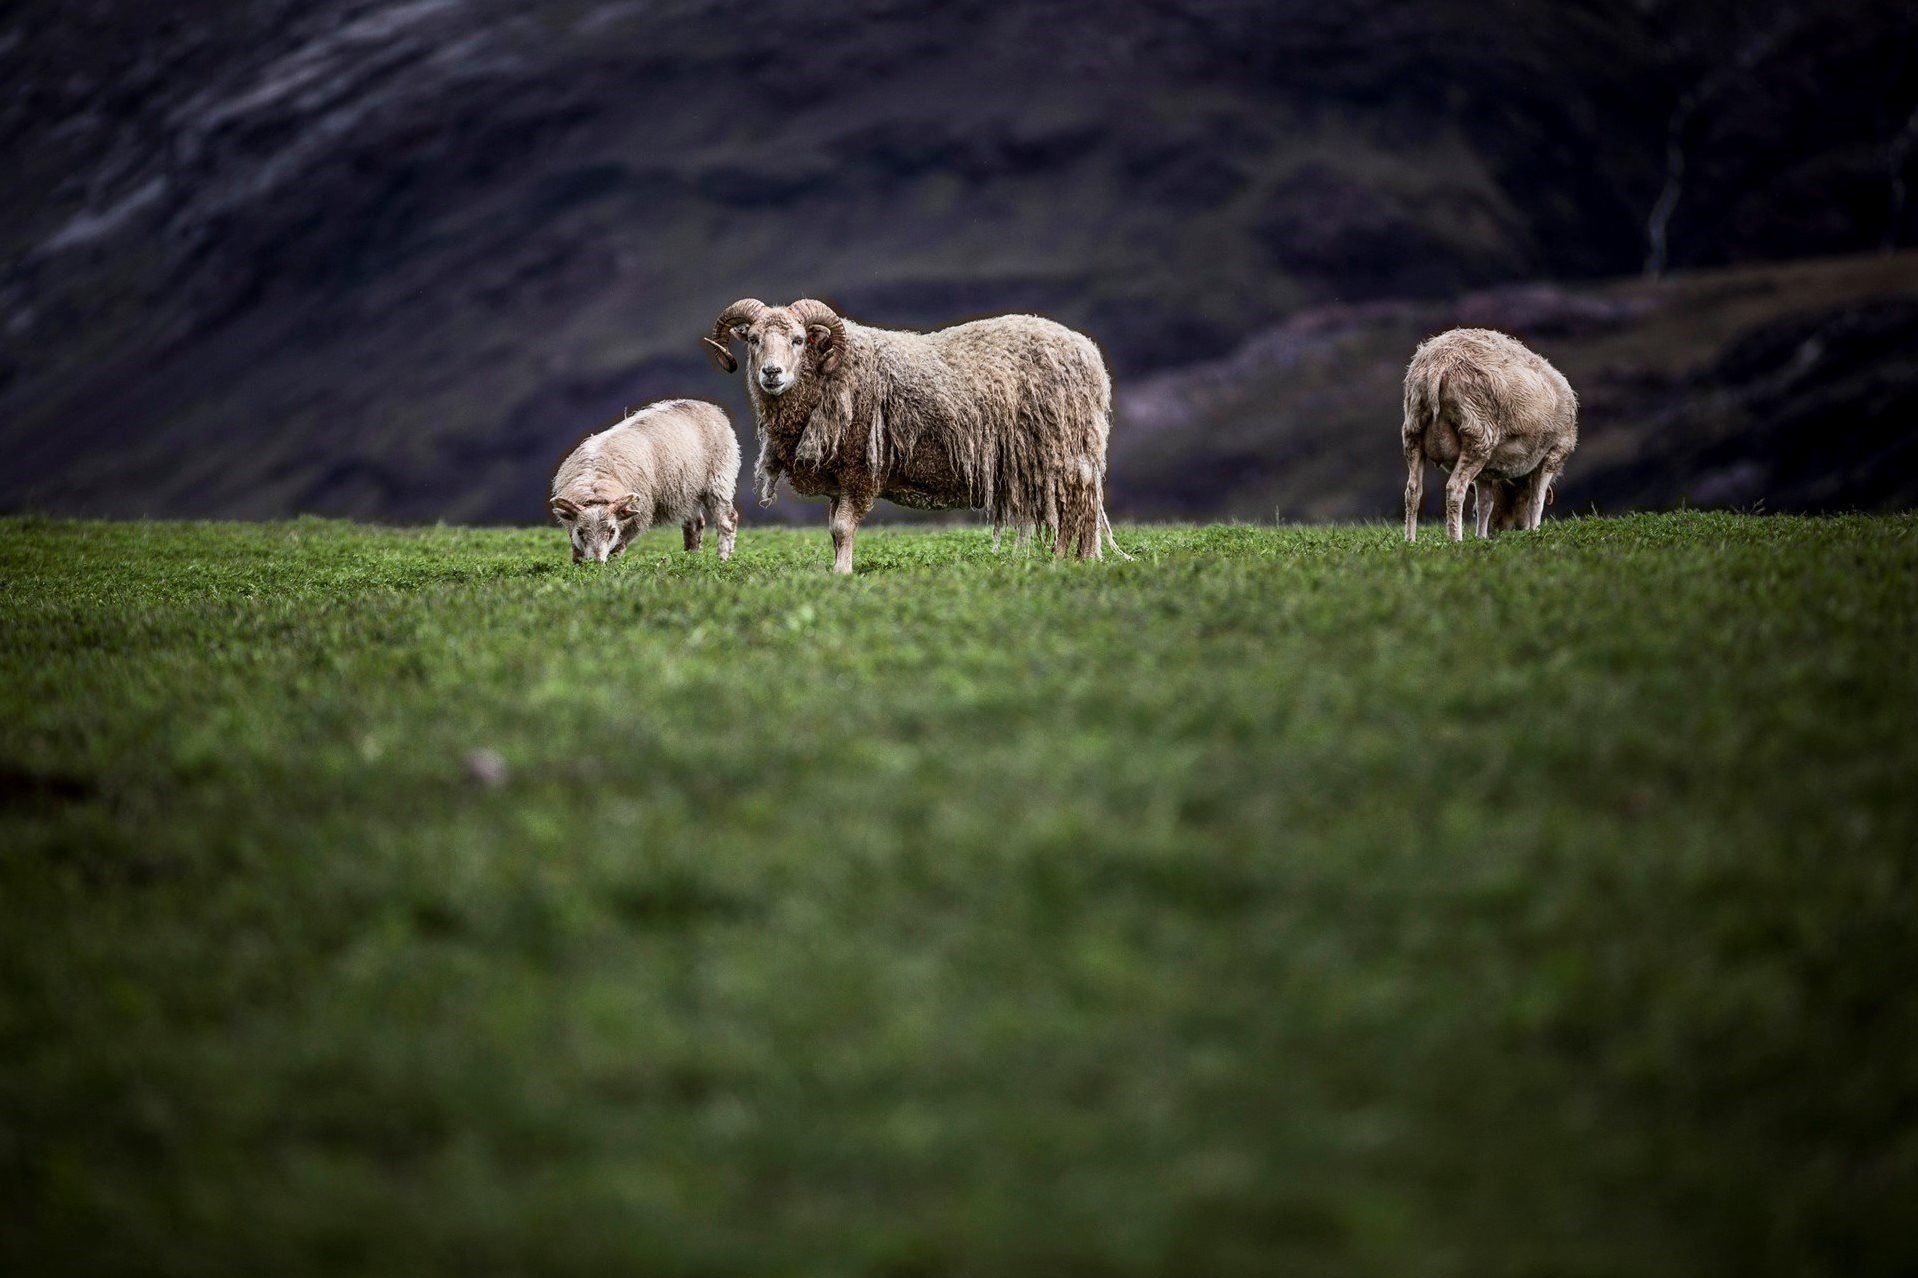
388	257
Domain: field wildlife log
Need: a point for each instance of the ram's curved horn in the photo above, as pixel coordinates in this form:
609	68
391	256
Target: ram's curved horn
744	311
816	314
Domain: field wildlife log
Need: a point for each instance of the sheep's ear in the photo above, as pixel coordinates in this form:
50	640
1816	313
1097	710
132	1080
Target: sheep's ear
564	509
627	507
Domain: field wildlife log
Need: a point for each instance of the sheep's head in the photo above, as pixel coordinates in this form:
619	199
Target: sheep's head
599	529
783	343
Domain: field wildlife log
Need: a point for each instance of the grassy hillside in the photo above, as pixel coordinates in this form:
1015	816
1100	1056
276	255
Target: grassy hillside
1284	901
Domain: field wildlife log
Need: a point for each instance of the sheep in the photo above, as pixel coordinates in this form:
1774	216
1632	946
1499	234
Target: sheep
1498	416
1009	415
675	461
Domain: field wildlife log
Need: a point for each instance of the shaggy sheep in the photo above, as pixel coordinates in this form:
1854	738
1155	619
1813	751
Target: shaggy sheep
1009	415
1495	414
675	461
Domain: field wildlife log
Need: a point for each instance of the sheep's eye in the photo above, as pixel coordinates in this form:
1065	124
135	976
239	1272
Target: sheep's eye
798	341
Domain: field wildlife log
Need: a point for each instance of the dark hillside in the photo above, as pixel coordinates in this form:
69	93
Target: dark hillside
385	258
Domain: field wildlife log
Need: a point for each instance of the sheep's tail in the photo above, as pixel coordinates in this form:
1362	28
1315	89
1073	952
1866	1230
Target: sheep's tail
1424	393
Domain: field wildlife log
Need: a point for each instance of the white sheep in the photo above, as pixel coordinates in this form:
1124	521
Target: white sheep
676	461
1494	413
1009	415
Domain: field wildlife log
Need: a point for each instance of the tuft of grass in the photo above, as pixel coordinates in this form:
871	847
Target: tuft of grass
1285	900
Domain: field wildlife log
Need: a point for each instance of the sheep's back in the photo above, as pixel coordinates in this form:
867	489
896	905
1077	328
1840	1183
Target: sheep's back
1006	365
674	452
1496	378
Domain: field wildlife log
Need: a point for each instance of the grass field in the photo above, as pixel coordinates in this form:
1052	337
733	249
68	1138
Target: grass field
1286	901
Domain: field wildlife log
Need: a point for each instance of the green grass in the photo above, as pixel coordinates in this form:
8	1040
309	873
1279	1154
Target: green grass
1286	901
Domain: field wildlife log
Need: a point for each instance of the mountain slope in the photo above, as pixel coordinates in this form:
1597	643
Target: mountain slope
388	258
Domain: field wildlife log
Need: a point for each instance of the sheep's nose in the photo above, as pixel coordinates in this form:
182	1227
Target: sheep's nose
771	370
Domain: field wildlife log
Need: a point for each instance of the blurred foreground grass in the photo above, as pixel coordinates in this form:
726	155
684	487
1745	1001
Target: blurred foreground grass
1284	901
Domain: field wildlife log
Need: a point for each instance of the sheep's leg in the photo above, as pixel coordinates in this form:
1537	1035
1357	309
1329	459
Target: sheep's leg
1092	514
1070	538
1464	474
1541	488
693	530
1079	508
846	514
725	517
1414	491
1096	536
1084	541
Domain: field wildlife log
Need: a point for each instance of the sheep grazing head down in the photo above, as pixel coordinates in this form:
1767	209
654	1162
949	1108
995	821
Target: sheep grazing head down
599	529
783	343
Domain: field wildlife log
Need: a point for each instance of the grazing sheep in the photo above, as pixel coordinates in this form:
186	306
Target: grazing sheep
671	462
1009	415
1495	414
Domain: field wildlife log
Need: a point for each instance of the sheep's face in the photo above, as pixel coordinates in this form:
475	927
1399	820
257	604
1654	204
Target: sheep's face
775	351
599	530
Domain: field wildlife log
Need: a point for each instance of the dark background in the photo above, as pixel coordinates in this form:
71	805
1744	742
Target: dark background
389	260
